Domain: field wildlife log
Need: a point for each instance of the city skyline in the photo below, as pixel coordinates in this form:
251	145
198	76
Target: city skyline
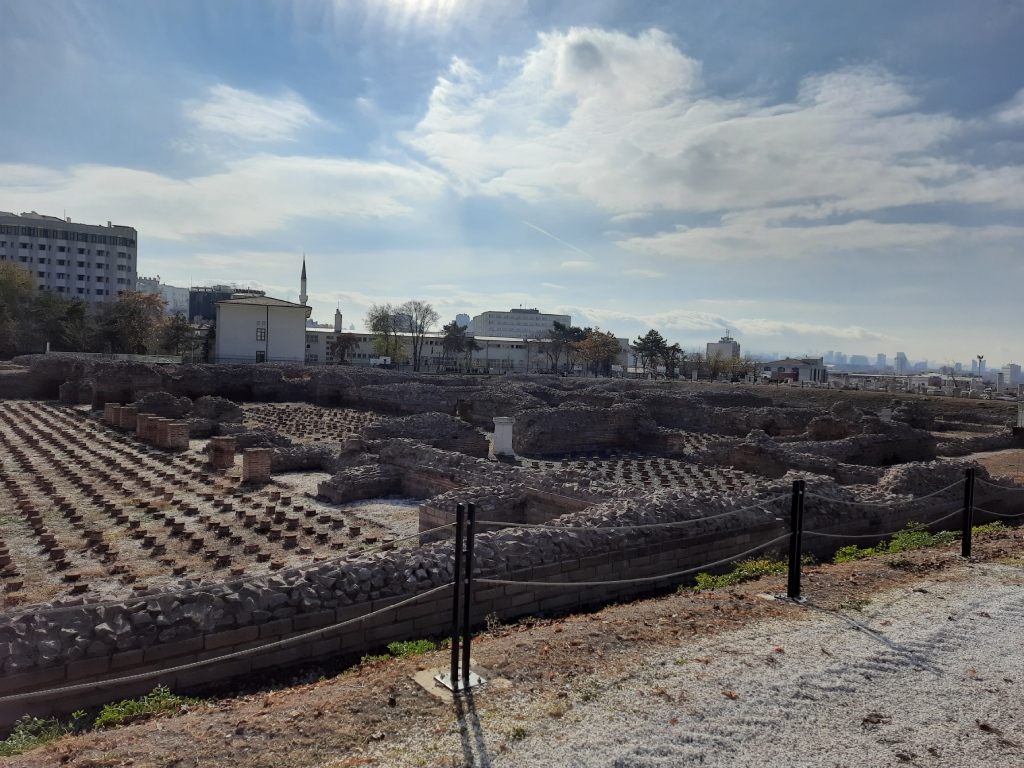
808	177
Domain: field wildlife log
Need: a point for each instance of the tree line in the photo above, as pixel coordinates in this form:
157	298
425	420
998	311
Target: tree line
134	323
654	353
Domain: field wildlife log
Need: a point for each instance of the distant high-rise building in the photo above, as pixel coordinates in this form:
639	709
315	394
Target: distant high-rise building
880	361
725	348
463	319
830	357
840	359
902	364
78	261
1011	374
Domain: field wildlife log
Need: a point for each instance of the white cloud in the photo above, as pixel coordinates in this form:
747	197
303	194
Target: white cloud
257	194
1012	112
625	123
553	285
250	117
578	266
651	273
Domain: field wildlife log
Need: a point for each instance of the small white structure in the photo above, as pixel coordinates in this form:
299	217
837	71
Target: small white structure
259	329
503	435
795	369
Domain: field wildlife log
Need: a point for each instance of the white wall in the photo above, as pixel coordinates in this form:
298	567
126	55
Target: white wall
237	326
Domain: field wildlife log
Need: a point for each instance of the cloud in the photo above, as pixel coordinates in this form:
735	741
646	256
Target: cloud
652	273
626	123
1012	113
578	266
250	117
253	195
553	285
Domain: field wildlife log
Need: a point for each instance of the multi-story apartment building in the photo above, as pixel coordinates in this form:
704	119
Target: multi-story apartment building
517	323
84	261
726	348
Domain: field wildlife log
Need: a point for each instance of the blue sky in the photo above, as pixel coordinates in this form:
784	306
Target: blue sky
811	175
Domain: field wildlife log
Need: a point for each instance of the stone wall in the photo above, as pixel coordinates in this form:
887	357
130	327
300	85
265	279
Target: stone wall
574	428
438	430
46	647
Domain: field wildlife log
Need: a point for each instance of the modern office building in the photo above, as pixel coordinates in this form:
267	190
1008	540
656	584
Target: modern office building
517	323
726	348
83	261
202	301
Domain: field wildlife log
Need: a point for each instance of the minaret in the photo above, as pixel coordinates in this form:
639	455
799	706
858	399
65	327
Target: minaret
338	326
302	290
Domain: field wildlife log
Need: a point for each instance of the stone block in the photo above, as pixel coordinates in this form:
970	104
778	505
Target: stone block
231	637
129	417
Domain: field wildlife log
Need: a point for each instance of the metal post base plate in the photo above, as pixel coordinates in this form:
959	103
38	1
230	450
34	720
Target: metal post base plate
445	680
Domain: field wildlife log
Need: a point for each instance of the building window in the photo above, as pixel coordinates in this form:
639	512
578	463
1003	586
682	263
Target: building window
261	357
81	290
61	249
261	334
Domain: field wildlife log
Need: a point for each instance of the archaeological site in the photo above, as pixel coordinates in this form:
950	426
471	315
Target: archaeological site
186	525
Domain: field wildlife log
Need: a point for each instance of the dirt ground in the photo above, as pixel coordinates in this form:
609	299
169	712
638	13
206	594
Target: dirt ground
1009	463
538	671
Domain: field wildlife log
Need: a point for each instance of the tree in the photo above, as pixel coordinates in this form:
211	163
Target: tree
177	332
418	317
341	346
385	321
16	293
672	356
471	346
135	321
598	351
650	348
453	343
561	340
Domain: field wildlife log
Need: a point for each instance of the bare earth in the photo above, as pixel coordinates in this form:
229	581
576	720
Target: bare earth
908	661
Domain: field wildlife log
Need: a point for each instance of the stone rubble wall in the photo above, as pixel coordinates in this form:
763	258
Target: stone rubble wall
438	430
573	428
50	646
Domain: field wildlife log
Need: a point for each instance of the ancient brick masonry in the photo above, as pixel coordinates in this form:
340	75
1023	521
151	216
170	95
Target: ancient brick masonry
129	417
222	452
256	465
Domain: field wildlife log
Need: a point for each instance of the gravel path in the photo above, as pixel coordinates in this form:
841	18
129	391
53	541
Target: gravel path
933	676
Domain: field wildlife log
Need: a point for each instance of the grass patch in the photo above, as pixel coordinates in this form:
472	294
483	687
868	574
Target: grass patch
746	570
401	650
404	648
31	732
914	536
160	701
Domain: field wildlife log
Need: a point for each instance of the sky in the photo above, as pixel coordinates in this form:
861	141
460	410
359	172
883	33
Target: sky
808	175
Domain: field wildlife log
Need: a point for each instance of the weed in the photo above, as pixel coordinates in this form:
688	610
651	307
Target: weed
915	536
590	690
493	622
410	648
746	570
372	658
527	621
158	702
518	733
31	732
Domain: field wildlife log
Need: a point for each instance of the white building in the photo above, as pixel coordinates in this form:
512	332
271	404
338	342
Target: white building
176	298
80	261
795	369
1011	375
517	323
259	329
725	348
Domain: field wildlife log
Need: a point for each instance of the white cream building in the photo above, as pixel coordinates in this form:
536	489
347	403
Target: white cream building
260	329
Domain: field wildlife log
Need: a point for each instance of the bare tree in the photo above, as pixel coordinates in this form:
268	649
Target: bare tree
418	317
385	321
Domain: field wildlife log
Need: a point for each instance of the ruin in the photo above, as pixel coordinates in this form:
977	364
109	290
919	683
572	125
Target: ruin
156	517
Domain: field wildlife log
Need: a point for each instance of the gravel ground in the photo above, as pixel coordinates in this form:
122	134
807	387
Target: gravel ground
929	676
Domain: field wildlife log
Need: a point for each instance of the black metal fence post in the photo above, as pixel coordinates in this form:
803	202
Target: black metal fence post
467	597
796	531
460	515
968	523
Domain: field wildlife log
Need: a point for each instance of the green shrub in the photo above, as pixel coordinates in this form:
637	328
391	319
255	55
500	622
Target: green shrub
410	648
31	732
915	536
158	702
747	570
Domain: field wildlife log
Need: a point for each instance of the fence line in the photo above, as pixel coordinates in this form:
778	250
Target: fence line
639	580
889	505
641	527
294	640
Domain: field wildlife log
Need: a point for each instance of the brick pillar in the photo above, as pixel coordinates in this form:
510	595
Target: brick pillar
222	452
177	436
256	465
159	427
129	416
142	425
112	413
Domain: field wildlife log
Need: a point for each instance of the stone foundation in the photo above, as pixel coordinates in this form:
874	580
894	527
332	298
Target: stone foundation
222	452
